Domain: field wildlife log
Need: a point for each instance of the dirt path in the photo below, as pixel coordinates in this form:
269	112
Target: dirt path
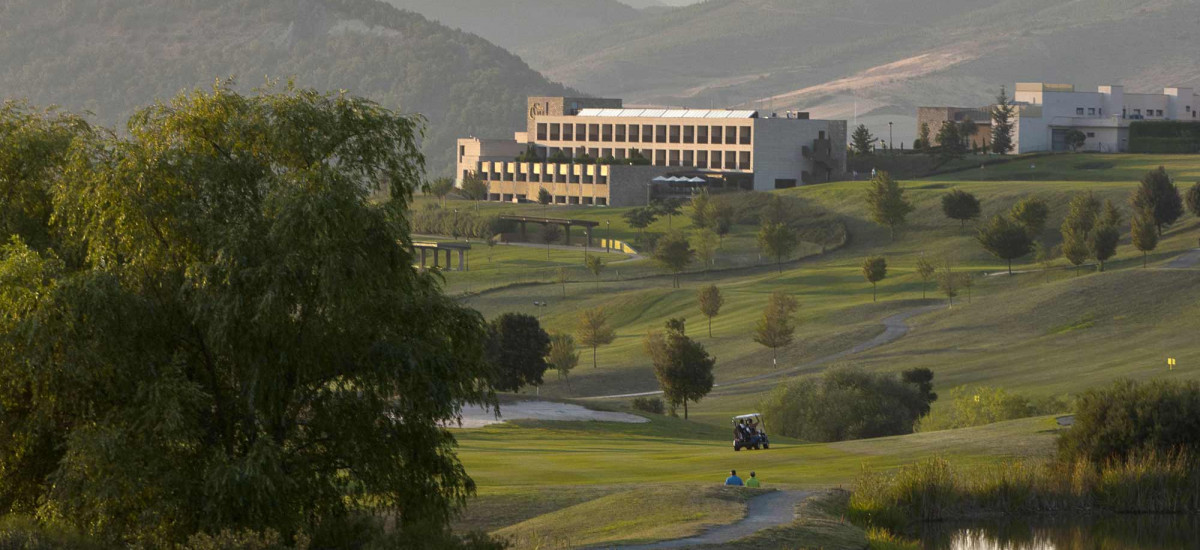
764	512
895	327
1187	260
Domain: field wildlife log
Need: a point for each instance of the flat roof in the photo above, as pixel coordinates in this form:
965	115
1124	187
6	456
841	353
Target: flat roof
667	113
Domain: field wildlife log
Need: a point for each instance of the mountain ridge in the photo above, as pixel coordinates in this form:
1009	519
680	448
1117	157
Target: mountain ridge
111	57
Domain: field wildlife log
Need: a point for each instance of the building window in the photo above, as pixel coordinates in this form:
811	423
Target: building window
1079	110
1092	111
1091	134
1158	113
1137	112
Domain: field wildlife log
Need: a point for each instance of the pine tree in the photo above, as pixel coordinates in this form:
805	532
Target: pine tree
1002	125
925	145
950	143
1159	197
886	202
862	141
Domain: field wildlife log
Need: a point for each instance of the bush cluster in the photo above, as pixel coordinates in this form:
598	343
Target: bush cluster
435	220
933	490
651	405
981	405
1128	419
845	403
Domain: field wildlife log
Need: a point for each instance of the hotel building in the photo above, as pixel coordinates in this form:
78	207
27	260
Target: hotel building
582	150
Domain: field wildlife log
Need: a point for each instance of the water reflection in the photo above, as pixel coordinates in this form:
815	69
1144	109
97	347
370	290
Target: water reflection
1141	532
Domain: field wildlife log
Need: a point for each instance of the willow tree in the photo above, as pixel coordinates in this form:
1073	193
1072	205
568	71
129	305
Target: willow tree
245	343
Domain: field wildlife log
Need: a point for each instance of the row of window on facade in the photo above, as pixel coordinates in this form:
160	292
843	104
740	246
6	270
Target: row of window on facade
645	133
556	199
1137	113
709	160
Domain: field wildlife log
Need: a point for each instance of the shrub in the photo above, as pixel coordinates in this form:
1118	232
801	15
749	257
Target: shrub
845	403
981	405
1128	418
651	405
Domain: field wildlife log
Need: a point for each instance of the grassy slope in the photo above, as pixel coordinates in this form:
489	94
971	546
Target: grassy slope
836	307
1020	332
649	513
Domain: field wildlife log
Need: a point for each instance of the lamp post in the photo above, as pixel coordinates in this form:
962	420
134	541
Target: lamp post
607	236
454	230
890	146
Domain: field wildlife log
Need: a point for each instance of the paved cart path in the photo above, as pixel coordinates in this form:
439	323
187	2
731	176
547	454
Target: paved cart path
765	512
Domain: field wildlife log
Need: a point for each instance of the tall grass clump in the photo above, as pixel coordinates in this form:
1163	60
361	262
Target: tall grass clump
982	405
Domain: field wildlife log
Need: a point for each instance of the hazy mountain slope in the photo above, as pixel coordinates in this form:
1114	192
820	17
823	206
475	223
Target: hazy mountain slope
112	56
512	23
821	54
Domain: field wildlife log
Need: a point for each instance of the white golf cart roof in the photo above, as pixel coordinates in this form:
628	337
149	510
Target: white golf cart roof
744	416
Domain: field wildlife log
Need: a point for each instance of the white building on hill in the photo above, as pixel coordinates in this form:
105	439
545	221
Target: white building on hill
1046	112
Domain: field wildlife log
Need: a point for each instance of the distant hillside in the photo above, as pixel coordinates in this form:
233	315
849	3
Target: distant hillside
885	58
112	56
513	23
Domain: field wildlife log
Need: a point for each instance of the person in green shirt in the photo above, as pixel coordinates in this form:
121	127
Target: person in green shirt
753	481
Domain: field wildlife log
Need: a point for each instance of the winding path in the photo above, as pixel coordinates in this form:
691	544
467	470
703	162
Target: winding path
895	327
764	512
1187	260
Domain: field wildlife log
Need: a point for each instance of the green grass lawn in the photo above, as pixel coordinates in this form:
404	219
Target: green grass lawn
1038	333
651	512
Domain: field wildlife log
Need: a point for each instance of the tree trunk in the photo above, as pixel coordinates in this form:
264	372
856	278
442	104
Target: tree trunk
710	327
1143	259
685	411
593	357
1010	267
874	293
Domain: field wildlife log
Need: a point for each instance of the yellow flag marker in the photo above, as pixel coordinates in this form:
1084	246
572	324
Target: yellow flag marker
1170	363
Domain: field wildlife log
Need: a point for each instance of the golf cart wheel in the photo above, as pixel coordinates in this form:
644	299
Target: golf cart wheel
766	445
736	447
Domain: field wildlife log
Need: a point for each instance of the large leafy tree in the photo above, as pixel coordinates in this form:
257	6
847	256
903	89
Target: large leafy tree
710	300
640	219
1144	235
778	241
1005	239
1158	196
960	205
563	357
874	269
1083	214
473	187
244	343
1193	199
517	349
776	327
950	142
886	202
683	367
594	330
674	253
1103	243
440	188
33	149
1031	213
1002	125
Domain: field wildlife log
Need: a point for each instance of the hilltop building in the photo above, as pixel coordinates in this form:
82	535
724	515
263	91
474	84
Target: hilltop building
1046	112
596	152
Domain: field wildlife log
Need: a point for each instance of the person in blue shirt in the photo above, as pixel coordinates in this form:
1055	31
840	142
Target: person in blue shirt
733	479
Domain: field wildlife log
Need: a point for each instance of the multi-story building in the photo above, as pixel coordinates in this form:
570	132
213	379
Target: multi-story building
1045	113
596	152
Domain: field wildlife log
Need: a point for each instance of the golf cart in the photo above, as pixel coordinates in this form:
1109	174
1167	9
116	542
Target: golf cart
749	432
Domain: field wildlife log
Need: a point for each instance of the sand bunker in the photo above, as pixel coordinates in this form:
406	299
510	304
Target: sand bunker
477	417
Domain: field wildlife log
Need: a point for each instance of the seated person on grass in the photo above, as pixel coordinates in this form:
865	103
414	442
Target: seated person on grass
733	479
753	481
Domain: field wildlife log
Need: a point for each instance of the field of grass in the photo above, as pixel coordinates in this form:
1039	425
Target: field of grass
1038	333
649	513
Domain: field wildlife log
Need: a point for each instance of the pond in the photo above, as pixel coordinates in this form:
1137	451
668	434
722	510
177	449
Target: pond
1124	532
